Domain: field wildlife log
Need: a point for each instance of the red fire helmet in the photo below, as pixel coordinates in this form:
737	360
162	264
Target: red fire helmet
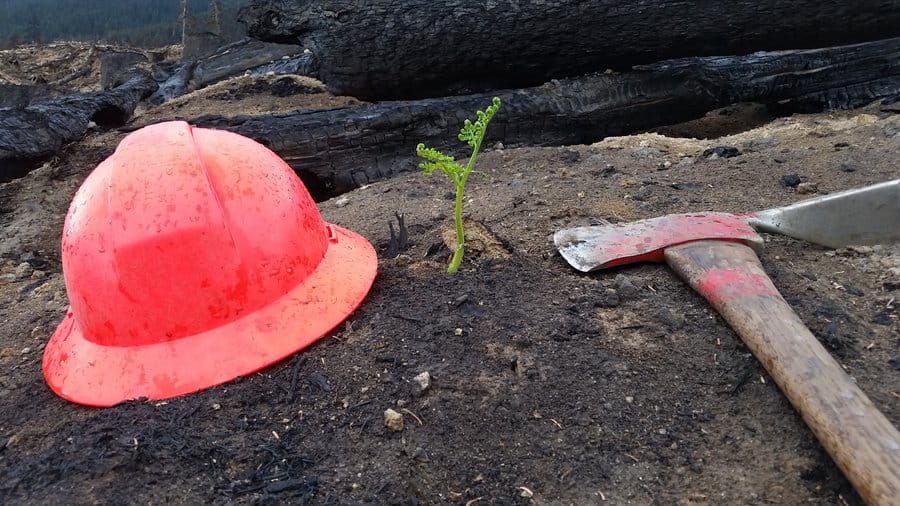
193	256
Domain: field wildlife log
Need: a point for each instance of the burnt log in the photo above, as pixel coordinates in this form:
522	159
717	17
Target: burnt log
116	67
234	59
386	50
32	134
22	95
337	150
238	57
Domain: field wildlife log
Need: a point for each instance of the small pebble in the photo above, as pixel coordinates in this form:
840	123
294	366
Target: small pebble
810	276
569	155
609	298
320	381
646	152
686	161
393	420
624	287
882	319
458	332
24	270
790	180
721	152
13	441
685	186
895	362
807	188
671	320
423	380
341	202
629	399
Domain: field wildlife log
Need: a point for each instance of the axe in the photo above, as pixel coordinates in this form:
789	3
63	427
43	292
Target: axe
715	253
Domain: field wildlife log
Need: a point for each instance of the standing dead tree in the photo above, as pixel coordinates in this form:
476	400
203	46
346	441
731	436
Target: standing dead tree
216	11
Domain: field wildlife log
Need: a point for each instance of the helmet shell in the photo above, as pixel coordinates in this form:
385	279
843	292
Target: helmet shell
186	231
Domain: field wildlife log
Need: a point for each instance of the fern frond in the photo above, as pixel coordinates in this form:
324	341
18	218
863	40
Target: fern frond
439	161
473	133
432	155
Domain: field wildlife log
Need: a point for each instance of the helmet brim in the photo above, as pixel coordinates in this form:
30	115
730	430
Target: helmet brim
85	372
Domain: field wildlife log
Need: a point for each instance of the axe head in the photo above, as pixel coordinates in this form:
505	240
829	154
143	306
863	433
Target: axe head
603	246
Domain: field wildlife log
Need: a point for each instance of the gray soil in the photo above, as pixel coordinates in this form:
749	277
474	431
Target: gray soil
547	386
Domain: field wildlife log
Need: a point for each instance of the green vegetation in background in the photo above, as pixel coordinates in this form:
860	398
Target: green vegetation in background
144	23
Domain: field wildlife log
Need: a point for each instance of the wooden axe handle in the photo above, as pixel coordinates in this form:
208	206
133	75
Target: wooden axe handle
860	439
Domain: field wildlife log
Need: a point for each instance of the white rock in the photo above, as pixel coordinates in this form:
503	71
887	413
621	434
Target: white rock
393	420
423	379
24	270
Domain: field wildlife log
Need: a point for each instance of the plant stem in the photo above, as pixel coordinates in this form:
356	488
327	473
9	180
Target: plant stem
457	213
460	233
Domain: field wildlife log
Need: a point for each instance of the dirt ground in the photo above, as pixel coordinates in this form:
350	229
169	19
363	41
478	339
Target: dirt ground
247	95
52	63
547	386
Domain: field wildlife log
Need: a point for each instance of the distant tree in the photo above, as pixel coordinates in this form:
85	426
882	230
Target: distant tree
14	39
216	10
33	27
137	22
184	20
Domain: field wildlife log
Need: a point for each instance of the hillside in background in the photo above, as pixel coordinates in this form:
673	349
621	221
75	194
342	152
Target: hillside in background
133	22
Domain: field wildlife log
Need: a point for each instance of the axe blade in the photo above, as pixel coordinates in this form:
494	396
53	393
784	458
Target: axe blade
857	217
604	246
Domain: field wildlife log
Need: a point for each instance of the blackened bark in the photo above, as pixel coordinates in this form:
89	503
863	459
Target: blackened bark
337	150
34	133
236	58
233	59
388	49
21	95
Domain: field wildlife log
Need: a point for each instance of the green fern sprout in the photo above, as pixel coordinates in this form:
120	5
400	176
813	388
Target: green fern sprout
472	133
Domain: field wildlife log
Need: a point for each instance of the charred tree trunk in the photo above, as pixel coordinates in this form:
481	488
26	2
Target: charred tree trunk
385	49
337	150
238	57
32	134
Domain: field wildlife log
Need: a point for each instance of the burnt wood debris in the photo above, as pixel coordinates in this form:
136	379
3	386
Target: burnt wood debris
337	150
31	134
567	72
384	49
